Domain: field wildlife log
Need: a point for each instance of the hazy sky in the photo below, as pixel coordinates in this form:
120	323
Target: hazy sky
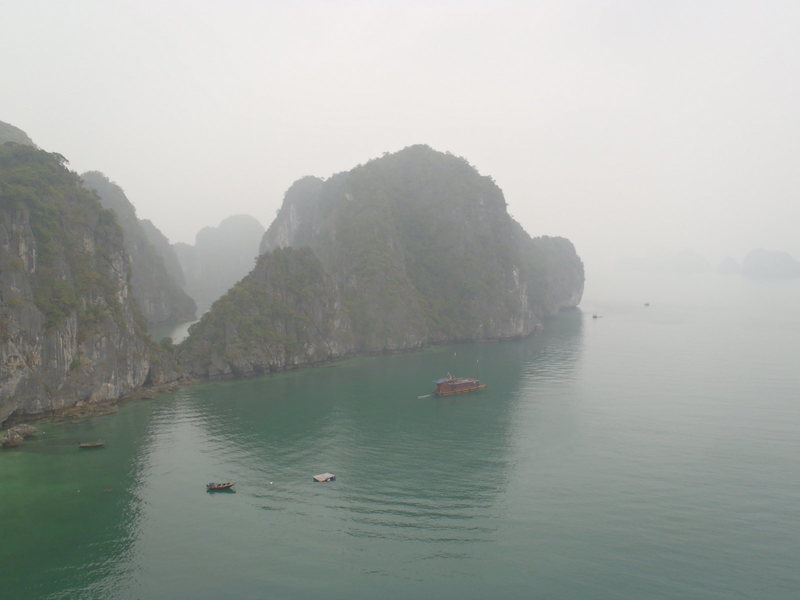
624	126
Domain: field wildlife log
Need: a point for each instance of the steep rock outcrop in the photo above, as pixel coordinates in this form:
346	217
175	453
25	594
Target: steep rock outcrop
414	248
165	250
284	314
157	287
220	257
770	264
69	330
9	133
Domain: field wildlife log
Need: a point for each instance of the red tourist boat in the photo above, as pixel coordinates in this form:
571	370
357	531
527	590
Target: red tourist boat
457	385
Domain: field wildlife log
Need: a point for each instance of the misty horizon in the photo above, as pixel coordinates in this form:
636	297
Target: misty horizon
359	298
625	128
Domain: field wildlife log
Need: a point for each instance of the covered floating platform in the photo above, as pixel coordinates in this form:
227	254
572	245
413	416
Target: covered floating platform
449	385
322	477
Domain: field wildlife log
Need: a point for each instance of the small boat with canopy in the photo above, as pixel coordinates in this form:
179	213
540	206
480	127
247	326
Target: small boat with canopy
219	487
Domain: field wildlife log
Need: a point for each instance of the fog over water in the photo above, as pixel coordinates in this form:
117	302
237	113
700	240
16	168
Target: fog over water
625	126
643	445
649	454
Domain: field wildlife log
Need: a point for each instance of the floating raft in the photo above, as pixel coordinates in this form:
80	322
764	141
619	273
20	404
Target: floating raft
324	477
91	445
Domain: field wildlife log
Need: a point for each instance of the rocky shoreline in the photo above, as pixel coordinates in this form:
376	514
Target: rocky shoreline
14	436
21	429
85	409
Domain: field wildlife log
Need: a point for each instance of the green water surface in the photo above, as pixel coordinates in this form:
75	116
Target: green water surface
650	453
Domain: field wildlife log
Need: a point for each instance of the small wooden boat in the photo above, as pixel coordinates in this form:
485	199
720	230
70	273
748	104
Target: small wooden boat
217	487
457	385
324	477
97	444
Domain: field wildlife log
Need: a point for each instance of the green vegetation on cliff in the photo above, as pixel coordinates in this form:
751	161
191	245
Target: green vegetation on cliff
282	314
415	248
157	289
69	330
35	188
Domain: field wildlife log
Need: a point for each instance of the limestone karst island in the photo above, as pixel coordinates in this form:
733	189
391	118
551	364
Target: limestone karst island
412	249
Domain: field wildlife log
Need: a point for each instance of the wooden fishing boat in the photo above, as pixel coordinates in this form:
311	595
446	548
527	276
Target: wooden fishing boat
97	444
449	385
322	477
217	487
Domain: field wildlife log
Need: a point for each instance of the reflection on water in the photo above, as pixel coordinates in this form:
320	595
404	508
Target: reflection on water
177	333
70	517
416	469
639	455
419	480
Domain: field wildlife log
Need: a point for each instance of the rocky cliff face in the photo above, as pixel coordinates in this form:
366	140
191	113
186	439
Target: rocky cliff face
411	249
69	329
157	289
285	313
220	257
166	251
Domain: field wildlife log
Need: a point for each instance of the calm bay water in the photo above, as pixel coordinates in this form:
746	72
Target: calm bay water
650	453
